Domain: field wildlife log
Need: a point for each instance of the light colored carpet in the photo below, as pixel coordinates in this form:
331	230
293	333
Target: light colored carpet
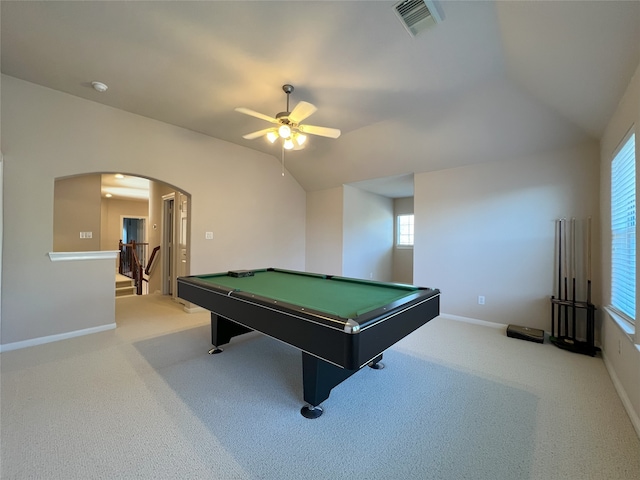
455	401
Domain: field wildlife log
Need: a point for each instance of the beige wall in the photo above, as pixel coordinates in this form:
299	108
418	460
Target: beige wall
48	134
367	235
488	230
76	208
402	257
324	231
621	348
156	191
113	209
1	229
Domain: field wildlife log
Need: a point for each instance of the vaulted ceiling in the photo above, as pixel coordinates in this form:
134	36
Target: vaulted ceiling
491	81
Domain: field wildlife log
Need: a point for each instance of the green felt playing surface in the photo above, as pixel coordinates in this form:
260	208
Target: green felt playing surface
346	298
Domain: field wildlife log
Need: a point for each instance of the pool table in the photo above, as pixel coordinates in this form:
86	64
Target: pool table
340	324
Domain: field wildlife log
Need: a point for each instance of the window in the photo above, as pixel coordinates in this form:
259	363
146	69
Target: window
404	231
623	230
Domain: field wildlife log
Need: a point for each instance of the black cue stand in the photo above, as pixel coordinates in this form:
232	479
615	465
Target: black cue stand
563	332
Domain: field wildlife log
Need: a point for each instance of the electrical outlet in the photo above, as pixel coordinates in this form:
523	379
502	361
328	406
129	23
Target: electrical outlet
480	299
208	235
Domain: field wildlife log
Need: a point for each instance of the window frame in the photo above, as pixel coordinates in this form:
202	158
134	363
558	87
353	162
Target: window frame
397	242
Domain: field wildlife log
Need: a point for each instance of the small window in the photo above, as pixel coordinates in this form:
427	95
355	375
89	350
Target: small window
623	231
404	231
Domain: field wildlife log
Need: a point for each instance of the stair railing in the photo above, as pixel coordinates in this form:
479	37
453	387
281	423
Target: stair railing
153	256
130	263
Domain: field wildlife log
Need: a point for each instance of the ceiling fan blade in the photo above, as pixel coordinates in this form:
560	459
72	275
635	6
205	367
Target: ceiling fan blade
301	111
259	133
253	113
322	131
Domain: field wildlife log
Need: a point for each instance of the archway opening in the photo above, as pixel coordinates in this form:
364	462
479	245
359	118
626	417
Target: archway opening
118	211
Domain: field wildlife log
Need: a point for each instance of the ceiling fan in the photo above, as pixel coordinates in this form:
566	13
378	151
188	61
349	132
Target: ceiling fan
288	124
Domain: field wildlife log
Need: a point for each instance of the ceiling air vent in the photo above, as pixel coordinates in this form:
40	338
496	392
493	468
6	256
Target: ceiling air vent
416	15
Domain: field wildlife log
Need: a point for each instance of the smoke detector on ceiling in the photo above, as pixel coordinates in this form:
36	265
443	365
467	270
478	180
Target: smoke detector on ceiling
99	87
417	15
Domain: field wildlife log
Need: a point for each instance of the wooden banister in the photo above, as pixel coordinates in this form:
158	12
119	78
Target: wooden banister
153	255
130	264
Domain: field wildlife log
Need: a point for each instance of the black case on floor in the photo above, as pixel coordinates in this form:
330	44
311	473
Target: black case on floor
525	333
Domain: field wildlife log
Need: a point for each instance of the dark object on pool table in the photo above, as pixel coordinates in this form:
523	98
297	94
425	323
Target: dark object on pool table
525	333
340	324
241	273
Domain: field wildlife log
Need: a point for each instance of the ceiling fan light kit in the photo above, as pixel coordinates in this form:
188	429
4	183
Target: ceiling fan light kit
284	131
288	124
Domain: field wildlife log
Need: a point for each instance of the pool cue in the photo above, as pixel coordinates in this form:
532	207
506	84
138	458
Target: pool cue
553	305
573	278
589	260
559	276
566	272
590	308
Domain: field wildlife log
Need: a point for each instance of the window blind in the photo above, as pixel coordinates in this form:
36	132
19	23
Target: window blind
623	230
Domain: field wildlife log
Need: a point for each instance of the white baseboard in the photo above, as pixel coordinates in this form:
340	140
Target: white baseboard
458	318
628	406
54	338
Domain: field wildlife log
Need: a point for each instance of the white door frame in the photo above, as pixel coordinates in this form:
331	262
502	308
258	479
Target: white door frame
175	239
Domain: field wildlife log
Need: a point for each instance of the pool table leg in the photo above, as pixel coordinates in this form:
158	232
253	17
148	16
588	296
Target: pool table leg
318	378
222	330
376	364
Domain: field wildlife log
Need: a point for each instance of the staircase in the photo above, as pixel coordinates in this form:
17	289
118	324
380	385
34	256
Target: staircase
124	286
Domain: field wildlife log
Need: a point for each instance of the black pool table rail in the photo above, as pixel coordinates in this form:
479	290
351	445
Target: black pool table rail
350	325
321	318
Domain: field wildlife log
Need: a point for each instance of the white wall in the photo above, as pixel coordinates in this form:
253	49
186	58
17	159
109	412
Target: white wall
1	233
324	231
257	216
488	229
402	256
367	235
620	348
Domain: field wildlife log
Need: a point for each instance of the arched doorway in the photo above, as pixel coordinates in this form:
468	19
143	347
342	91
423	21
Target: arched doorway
97	211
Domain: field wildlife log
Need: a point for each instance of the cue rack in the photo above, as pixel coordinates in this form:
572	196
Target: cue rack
573	320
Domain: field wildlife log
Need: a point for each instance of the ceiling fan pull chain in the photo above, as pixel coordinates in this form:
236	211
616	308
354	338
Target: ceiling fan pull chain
283	159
